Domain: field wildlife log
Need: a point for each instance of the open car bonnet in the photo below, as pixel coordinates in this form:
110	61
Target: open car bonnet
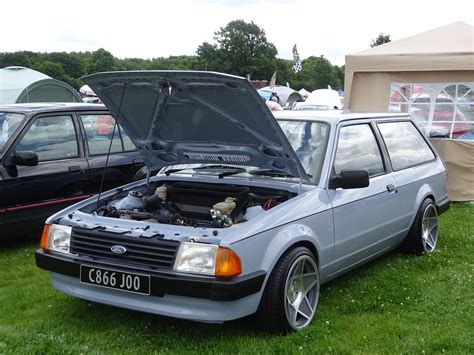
189	117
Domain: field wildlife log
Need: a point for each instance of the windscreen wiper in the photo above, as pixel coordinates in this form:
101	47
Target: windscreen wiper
218	167
273	173
228	169
270	172
172	171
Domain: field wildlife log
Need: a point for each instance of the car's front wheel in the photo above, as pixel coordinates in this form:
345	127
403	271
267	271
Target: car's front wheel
292	292
424	233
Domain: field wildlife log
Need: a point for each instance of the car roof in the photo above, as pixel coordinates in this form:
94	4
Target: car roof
37	107
334	116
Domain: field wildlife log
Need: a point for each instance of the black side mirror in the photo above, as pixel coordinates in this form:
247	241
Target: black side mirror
350	179
25	158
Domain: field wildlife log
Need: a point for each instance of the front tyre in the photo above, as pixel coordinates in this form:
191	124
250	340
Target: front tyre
292	292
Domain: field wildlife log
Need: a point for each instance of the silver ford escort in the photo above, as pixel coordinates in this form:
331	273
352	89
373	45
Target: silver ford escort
250	213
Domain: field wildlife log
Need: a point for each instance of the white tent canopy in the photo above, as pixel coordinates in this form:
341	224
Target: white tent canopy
19	84
432	72
445	54
325	97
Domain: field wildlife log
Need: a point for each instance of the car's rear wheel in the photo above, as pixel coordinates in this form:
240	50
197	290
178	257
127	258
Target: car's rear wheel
424	233
292	293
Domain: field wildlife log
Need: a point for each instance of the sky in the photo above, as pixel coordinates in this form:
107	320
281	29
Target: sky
154	28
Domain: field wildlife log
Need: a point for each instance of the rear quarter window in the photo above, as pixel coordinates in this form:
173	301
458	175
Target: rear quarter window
406	147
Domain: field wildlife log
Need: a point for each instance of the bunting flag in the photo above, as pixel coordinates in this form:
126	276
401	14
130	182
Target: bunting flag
273	80
296	60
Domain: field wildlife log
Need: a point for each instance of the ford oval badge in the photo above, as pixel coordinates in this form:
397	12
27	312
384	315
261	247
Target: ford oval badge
118	249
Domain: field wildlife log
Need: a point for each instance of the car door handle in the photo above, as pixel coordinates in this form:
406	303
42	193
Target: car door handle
75	169
138	161
391	188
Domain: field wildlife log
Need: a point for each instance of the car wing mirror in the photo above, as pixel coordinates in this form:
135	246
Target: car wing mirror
350	179
25	158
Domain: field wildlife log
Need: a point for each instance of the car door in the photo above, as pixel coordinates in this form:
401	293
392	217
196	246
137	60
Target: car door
124	159
61	177
414	166
362	216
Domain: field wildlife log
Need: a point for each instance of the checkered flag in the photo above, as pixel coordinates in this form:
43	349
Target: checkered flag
297	67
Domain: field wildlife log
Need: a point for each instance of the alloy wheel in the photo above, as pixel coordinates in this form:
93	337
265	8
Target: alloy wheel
429	228
301	292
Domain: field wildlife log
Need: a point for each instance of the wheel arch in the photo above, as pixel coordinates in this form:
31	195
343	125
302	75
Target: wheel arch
307	244
282	244
425	191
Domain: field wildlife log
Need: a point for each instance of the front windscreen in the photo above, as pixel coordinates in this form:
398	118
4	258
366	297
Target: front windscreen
308	139
9	123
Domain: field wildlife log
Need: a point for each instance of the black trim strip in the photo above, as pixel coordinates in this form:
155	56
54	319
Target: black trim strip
164	283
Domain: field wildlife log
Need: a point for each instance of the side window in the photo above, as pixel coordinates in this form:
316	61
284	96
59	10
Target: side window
127	142
52	138
406	147
99	129
357	149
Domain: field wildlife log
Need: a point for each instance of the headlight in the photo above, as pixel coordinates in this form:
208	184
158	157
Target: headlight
207	259
56	237
196	258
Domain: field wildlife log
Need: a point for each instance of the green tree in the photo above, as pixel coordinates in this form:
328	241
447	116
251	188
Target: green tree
102	60
52	69
285	72
381	39
21	59
208	55
73	66
241	48
340	73
317	73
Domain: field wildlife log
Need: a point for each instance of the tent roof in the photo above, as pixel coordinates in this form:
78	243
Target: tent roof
19	77
15	80
450	47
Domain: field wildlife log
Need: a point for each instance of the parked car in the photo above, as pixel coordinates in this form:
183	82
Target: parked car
322	97
433	131
308	107
444	113
52	155
263	212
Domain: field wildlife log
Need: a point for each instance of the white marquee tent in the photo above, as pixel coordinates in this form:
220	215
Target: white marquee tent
432	72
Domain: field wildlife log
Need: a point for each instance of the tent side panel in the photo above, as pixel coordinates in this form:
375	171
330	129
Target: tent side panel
49	91
370	92
459	159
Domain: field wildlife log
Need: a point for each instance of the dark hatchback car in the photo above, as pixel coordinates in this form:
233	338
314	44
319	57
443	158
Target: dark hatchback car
52	155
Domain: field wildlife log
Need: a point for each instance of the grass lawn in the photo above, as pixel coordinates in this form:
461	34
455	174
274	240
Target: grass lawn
395	304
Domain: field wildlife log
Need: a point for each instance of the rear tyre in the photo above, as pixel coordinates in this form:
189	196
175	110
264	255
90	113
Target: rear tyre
424	233
292	292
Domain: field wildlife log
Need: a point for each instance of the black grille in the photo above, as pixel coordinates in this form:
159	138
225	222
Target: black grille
153	252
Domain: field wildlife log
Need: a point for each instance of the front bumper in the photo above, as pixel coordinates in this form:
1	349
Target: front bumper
162	283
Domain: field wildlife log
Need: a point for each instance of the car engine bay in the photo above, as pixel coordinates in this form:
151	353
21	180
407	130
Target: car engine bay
192	204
